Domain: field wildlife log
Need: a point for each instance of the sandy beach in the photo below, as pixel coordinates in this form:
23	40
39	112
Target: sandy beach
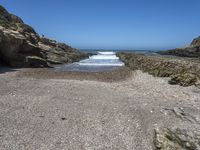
74	113
99	75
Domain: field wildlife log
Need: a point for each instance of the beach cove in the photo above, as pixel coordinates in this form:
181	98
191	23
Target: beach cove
54	96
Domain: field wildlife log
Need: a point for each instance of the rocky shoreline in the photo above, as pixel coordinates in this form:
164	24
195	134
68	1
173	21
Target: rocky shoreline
21	45
182	71
181	65
193	50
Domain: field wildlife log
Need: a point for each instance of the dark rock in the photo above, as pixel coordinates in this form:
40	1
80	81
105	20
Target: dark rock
34	61
48	41
23	28
65	47
41	116
16	19
191	51
63	118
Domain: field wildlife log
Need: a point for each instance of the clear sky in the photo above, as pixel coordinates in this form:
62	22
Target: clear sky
112	24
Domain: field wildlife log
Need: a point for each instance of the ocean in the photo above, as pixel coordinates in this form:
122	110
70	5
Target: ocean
95	51
102	60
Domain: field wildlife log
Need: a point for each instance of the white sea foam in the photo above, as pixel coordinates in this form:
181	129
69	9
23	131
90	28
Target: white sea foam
106	53
102	64
102	59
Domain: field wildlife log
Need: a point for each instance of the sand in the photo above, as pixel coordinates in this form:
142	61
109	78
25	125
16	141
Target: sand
78	113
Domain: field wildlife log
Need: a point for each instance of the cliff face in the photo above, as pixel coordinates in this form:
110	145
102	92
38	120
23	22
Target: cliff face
21	46
191	51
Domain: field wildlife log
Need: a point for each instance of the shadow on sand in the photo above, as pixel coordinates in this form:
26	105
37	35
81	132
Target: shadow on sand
4	69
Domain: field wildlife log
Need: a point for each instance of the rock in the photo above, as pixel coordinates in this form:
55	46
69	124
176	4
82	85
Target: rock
184	79
48	41
185	72
21	46
24	28
8	20
16	19
34	61
166	139
14	48
191	51
196	42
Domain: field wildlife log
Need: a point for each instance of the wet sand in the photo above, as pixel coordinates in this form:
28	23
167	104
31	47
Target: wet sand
113	75
47	111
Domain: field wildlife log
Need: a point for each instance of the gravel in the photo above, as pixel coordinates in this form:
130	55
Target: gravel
76	113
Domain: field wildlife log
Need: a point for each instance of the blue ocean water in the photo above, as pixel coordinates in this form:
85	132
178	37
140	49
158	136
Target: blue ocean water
95	51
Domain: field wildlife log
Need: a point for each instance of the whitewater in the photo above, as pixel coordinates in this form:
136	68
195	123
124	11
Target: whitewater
102	61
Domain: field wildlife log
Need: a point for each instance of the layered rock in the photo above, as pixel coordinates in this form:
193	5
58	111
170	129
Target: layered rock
184	72
21	46
191	51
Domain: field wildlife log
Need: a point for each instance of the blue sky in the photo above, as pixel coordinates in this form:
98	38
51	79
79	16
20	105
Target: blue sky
112	24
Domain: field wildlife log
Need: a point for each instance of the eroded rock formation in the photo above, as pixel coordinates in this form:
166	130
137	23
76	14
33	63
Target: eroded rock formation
182	71
21	46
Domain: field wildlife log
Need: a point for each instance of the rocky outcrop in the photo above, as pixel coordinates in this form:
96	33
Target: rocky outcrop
196	42
191	51
167	139
21	46
184	79
184	72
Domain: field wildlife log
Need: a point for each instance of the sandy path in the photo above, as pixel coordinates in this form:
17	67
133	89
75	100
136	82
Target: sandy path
59	114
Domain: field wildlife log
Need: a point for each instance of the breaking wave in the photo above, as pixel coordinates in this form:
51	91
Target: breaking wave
102	59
